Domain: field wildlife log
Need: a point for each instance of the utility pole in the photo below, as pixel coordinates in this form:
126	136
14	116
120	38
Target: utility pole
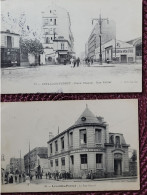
100	21
29	158
20	162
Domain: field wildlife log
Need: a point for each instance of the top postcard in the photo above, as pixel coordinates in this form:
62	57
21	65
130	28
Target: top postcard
71	46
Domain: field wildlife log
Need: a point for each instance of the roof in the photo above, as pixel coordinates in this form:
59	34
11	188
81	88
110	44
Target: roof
135	41
43	155
87	117
8	32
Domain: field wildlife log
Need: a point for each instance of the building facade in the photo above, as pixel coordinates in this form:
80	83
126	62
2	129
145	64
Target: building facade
36	160
16	165
116	50
89	146
137	43
108	32
10	49
56	24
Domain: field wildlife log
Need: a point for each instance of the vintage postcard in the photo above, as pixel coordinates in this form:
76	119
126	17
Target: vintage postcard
71	46
70	146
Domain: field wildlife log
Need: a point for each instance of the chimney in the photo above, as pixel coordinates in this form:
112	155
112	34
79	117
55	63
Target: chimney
50	135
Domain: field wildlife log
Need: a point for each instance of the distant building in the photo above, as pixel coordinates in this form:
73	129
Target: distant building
108	32
137	43
10	49
36	160
56	24
16	165
116	50
89	146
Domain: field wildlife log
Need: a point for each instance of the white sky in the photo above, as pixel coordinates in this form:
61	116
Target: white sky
24	121
126	13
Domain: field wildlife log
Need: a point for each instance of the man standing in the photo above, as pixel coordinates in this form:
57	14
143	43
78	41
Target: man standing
78	61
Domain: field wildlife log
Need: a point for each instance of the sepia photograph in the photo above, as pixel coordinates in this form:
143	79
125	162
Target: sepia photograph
71	46
76	145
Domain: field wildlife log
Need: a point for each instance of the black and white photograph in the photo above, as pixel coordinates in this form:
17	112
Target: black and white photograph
71	46
76	145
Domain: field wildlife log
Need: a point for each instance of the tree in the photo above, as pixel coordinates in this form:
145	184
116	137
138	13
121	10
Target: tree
30	46
134	156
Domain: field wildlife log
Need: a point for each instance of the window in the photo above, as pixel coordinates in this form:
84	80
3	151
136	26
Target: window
54	21
56	162
63	163
72	159
51	149
47	40
98	135
83	161
71	138
98	161
62	46
45	21
56	145
51	20
46	31
51	163
83	136
62	143
9	42
117	141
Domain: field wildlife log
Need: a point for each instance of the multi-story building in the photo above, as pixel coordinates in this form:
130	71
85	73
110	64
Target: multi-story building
16	165
10	49
108	32
56	24
36	159
89	146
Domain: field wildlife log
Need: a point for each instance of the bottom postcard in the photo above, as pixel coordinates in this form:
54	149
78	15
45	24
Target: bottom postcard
80	145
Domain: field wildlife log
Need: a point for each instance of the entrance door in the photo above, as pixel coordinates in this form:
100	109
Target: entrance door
117	167
123	58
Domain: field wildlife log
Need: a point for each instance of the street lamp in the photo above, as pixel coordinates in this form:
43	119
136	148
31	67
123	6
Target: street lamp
100	20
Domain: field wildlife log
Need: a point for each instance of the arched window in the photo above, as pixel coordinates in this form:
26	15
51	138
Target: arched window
117	141
112	139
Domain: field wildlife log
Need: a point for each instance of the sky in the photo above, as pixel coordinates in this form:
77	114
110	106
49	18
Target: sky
126	13
22	122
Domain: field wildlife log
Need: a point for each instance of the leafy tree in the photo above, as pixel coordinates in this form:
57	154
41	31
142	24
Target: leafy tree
31	46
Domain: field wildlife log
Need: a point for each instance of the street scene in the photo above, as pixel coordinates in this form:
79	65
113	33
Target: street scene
72	43
70	144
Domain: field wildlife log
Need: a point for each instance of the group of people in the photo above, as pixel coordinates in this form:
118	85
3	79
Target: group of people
57	175
75	61
14	178
89	61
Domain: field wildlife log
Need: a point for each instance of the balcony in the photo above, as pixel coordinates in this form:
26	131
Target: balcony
118	146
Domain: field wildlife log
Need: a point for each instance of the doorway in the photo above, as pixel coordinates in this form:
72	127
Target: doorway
123	58
117	167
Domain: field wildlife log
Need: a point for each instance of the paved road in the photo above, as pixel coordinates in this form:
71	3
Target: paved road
61	78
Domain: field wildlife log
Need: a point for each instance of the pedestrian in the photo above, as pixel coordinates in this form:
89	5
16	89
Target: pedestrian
15	178
91	175
75	61
19	178
78	61
28	180
71	61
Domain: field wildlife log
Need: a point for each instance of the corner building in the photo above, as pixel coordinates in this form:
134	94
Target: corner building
88	145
